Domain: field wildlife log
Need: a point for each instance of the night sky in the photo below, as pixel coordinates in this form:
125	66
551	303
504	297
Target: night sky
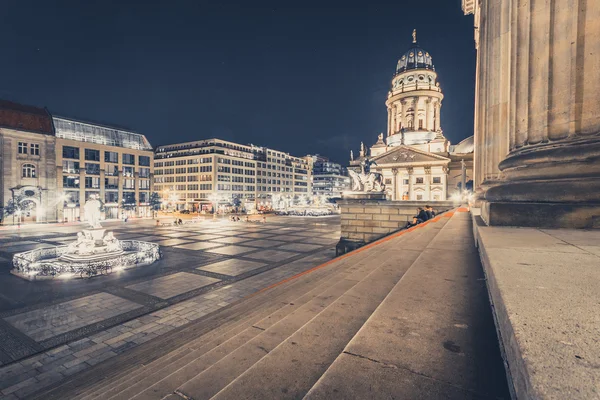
302	76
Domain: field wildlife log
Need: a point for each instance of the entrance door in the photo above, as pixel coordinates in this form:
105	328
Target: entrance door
28	211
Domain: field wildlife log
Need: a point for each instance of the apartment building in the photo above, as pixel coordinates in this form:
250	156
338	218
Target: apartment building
197	175
329	179
114	164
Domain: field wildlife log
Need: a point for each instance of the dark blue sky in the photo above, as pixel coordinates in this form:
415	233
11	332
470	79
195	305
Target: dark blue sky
303	77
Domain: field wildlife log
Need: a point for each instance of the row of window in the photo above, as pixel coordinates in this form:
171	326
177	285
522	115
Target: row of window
201	160
109	183
73	167
33	148
72	197
109	156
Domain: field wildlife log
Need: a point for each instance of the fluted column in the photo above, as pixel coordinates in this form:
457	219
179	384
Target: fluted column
410	182
394	183
538	112
428	182
389	122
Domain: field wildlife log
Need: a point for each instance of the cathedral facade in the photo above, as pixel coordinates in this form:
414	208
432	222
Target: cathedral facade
415	158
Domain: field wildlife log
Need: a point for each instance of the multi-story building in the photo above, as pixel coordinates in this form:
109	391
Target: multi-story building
114	164
196	175
27	164
329	179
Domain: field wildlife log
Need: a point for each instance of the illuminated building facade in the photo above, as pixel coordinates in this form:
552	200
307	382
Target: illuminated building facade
196	175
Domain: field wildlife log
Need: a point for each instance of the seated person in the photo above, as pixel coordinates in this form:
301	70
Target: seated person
429	212
420	217
430	209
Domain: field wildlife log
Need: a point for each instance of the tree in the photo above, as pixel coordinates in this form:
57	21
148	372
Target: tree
13	206
155	201
128	203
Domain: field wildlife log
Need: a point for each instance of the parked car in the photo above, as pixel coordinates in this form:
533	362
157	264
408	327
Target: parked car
185	211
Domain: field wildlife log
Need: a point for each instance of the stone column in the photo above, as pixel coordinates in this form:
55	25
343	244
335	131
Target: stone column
445	183
394	184
410	182
550	53
428	182
390	122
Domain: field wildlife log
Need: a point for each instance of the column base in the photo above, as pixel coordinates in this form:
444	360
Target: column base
541	215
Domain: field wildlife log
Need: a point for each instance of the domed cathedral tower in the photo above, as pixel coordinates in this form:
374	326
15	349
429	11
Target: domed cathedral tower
414	103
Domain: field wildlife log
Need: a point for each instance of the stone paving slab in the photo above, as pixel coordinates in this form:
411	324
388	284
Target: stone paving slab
257	235
272	255
205	237
172	242
263	243
231	250
172	285
319	240
299	247
50	321
230	240
199	246
232	267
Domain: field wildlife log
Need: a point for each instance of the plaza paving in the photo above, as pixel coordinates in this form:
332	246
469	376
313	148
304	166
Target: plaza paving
52	329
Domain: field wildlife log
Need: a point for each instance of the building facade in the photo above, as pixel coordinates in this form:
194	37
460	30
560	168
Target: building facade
198	175
416	160
329	179
113	164
27	164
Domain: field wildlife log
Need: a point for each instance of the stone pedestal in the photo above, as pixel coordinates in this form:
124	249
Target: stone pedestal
367	217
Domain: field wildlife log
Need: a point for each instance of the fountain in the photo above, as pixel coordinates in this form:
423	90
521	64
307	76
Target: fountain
94	252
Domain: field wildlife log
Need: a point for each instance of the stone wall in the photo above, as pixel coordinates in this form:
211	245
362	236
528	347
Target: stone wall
364	221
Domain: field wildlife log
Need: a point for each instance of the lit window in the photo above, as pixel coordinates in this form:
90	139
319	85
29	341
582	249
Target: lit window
28	171
22	148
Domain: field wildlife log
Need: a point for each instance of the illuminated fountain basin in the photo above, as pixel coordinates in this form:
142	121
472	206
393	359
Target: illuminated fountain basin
59	262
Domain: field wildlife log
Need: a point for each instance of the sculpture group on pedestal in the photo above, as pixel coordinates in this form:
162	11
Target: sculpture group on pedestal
93	241
366	181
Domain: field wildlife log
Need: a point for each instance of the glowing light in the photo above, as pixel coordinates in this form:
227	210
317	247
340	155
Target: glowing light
66	275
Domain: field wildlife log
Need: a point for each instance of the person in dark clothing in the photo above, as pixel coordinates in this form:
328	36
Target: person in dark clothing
430	209
420	217
429	212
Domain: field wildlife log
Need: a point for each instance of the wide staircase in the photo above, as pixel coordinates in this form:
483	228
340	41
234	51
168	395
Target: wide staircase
403	318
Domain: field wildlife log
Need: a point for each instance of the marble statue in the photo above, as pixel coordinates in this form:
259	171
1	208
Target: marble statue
83	245
351	155
92	212
366	181
111	242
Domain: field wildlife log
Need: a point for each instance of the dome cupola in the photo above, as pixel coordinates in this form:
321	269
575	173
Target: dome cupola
415	58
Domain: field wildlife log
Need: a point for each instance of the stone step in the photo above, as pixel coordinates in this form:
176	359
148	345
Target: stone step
432	337
280	297
243	332
216	336
275	328
291	368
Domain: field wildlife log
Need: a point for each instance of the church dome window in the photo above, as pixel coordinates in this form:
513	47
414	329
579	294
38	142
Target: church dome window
421	77
410	79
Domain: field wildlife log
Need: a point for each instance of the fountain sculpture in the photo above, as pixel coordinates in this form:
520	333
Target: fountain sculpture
94	252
